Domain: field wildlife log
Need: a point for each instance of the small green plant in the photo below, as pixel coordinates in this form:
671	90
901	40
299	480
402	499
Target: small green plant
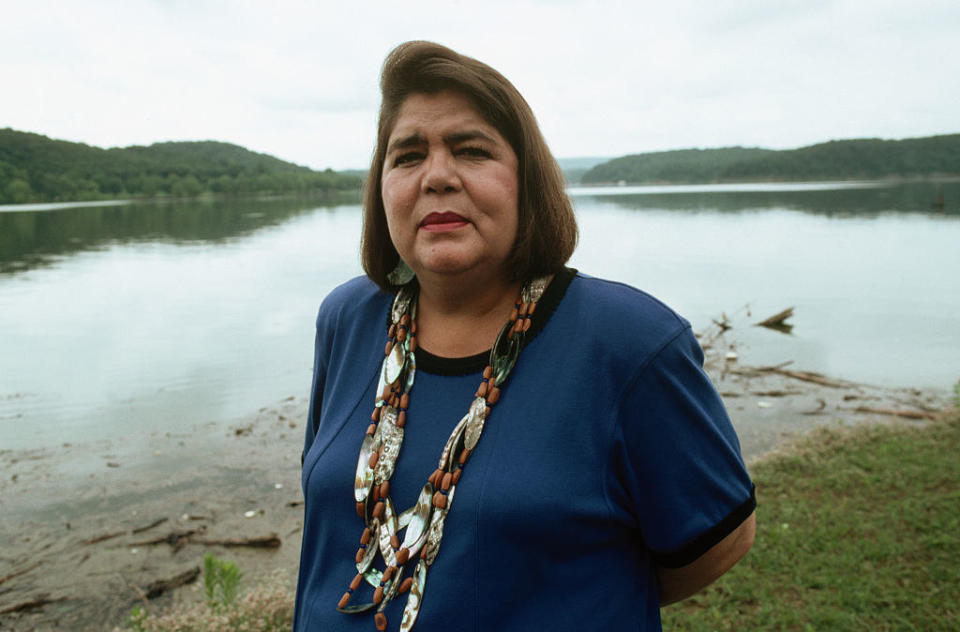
135	619
220	581
956	394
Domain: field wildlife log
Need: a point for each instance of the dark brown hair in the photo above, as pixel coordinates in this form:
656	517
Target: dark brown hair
547	228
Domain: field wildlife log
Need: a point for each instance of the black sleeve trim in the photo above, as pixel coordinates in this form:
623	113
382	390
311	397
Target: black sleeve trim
711	537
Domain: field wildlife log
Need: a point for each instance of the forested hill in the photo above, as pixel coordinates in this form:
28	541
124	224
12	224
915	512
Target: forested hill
861	159
34	168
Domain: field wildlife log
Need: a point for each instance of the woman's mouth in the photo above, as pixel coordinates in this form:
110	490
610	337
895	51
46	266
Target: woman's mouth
442	222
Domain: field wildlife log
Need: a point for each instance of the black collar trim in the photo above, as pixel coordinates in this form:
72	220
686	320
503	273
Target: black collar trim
547	304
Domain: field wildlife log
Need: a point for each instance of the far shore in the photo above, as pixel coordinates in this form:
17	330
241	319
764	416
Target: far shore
77	519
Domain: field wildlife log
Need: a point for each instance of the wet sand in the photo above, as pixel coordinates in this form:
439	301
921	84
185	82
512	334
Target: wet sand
68	515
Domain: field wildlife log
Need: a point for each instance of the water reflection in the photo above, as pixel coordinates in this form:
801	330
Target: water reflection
31	239
866	201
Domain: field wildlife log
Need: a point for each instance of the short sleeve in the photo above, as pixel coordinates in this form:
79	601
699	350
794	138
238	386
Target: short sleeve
679	458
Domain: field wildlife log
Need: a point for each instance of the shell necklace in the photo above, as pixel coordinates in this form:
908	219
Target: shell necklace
381	447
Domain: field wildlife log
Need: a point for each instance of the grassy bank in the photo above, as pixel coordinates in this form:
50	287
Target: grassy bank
858	529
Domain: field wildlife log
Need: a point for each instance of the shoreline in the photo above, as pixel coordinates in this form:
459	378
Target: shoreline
75	520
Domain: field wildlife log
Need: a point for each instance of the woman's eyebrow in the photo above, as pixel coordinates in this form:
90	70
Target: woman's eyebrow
413	140
461	137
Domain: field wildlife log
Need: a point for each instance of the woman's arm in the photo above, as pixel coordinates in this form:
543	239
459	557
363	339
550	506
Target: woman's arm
679	583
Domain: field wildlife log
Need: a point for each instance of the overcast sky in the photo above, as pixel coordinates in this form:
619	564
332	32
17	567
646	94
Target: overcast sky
299	79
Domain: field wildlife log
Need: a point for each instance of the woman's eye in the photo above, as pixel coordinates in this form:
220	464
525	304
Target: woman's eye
408	157
474	152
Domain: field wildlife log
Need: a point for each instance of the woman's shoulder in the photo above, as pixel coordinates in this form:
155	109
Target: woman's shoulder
624	311
349	298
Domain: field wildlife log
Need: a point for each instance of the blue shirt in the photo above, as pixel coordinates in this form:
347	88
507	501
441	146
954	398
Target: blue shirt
608	453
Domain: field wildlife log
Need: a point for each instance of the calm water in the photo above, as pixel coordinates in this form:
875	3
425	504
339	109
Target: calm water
127	318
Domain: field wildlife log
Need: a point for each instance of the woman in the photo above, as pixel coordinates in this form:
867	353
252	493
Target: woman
593	475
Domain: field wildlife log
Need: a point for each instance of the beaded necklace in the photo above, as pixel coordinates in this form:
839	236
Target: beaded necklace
381	447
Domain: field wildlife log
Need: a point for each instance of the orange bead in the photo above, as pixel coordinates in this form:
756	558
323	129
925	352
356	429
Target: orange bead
378	510
388	347
345	599
371	429
456	476
464	456
481	390
359	556
361	509
402	419
356	582
384	489
405	401
401	335
388	574
533	306
488	372
372	462
524	308
381	620
413	344
493	396
514	314
392	331
413	327
526	324
367	534
405	320
395	541
375	415
405	586
402	556
378	594
445	483
439	500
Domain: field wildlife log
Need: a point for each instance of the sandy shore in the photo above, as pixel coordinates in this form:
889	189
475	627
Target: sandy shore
75	520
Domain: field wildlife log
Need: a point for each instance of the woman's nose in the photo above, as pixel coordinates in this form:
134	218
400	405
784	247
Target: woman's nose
441	174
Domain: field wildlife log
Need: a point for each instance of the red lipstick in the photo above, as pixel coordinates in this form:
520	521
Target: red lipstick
441	222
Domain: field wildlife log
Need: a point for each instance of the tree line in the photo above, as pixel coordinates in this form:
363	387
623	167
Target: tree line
34	168
858	159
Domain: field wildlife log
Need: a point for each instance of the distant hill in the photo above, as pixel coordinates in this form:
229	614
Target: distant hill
858	159
34	168
574	168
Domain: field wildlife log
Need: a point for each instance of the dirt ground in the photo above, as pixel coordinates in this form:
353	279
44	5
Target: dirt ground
76	521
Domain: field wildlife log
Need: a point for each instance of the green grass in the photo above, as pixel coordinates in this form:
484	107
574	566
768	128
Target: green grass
857	530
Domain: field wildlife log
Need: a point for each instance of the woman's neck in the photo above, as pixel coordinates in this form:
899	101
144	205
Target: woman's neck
457	317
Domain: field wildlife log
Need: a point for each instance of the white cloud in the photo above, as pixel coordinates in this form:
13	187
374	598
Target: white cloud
299	79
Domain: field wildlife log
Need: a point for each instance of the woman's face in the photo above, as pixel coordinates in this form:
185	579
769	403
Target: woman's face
449	188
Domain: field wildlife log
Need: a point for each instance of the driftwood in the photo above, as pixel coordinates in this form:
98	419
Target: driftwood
806	376
22	571
149	526
157	588
906	414
821	404
271	541
26	606
171	538
102	537
775	393
776	321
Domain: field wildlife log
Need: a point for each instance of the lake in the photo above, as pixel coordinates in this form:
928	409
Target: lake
119	319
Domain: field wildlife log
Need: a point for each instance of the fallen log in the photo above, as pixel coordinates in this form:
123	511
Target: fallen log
172	538
157	588
22	571
149	526
34	604
271	541
906	414
776	321
102	537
